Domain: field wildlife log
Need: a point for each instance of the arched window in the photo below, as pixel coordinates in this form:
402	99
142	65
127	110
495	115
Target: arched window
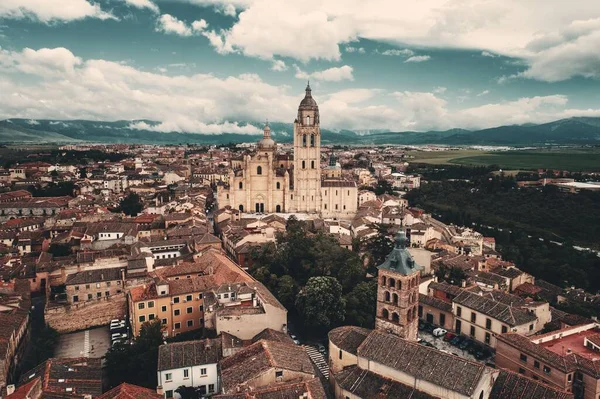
395	298
304	140
308	119
278	185
241	207
399	284
392	283
241	185
387	296
383	281
312	140
278	207
303	164
385	314
395	317
312	164
259	170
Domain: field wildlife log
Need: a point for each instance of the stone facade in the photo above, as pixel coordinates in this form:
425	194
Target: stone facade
398	293
84	315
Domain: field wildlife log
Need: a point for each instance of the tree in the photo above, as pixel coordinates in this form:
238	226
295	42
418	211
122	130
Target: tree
188	392
384	187
380	245
60	250
137	363
131	205
361	304
320	305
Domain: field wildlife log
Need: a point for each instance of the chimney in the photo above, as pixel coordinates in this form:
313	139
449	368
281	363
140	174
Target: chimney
10	389
160	390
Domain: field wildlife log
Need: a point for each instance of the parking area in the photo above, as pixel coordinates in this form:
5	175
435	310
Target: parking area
460	346
92	343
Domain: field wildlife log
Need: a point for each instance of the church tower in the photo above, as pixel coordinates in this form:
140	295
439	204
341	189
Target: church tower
398	292
307	156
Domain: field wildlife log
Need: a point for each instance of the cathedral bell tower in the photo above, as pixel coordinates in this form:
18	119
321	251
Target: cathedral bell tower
398	292
307	156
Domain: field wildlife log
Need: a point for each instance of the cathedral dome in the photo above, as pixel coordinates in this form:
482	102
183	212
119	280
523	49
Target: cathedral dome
266	143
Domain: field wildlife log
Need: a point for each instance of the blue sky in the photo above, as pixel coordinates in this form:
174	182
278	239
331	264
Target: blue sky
210	66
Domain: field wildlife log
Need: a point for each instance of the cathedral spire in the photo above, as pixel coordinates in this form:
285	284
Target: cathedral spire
308	89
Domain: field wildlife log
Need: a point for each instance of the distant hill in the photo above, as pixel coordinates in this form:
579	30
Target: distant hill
580	130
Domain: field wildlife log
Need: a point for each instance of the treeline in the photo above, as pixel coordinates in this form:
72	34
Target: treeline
523	222
320	283
445	172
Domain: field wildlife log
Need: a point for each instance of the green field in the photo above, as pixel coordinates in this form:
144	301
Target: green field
575	160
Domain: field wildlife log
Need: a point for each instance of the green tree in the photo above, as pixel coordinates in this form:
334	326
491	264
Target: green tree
136	363
320	305
380	245
384	187
131	205
188	392
361	303
287	289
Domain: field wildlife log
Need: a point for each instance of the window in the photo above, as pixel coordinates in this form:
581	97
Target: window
304	141
142	318
225	296
98	294
177	326
487	338
186	373
87	286
473	317
259	170
523	358
458	311
169	394
303	164
420	311
151	304
190	323
176	299
312	140
151	316
177	312
75	298
76	288
531	327
241	185
203	371
312	164
163	309
90	296
168	376
472	331
504	329
189	297
547	370
211	388
536	364
279	374
164	321
442	319
521	370
340	355
278	185
108	283
488	324
201	308
569	377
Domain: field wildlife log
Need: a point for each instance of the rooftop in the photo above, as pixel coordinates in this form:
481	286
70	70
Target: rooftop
574	343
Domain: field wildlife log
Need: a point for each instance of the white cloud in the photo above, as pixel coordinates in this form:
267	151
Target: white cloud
279	66
143	4
64	86
483	93
488	54
229	9
199	25
171	25
55	10
440	90
350	49
418	58
334	74
396	52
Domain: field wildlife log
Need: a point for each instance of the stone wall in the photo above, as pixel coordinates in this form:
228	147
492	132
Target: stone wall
81	316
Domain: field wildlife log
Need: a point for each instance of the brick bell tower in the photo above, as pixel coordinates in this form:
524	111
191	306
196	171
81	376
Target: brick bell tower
398	292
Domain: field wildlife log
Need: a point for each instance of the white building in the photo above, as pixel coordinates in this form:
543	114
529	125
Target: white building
191	364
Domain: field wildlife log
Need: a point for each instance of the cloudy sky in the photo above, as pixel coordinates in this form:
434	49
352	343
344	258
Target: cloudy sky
210	66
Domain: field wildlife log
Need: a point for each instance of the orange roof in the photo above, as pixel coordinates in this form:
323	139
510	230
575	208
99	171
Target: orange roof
129	391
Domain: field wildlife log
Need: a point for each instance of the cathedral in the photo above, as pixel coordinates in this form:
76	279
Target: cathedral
267	182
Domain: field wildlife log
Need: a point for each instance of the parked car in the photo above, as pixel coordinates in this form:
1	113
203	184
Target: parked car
118	327
438	332
465	344
118	336
296	342
448	337
456	341
322	349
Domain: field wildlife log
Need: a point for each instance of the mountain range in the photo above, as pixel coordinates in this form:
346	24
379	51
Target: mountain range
578	130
